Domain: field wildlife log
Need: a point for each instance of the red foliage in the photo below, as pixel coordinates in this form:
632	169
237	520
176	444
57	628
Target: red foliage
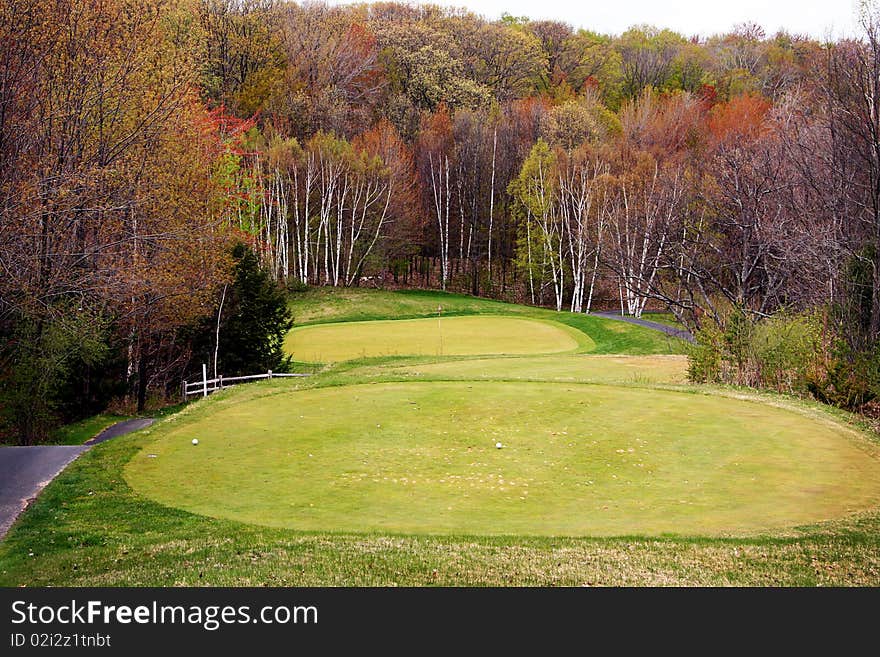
360	56
523	120
384	141
228	128
708	96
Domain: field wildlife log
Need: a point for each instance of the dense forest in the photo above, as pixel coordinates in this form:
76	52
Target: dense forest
168	167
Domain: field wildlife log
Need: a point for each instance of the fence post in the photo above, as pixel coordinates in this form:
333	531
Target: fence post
204	380
183	391
220	381
270	374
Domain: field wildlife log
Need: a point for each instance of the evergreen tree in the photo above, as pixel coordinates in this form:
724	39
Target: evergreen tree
254	320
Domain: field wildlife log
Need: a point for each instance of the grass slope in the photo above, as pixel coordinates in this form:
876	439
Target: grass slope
663	318
324	305
89	527
451	336
77	433
577	460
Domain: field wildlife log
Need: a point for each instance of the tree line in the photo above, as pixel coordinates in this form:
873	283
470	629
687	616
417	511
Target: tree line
155	155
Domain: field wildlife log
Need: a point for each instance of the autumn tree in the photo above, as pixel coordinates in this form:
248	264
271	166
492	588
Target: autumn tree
404	228
333	80
436	150
647	58
591	60
100	209
582	119
553	36
243	59
508	60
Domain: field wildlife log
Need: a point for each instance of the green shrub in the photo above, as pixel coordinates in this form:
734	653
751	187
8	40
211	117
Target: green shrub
296	286
850	379
784	350
738	335
721	352
705	356
781	353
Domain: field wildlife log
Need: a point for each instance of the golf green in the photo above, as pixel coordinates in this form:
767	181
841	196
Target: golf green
575	460
439	336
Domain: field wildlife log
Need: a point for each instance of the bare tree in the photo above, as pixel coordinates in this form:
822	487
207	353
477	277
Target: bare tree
852	90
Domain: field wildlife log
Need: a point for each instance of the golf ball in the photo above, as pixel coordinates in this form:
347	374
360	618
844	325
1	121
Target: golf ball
498	445
195	441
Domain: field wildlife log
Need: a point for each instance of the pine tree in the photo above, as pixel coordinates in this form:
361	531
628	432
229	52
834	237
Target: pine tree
255	318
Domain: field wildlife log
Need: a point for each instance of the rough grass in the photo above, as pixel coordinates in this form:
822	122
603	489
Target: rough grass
455	336
576	460
79	432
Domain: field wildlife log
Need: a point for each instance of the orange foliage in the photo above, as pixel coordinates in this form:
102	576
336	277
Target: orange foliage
362	48
663	124
436	131
524	118
741	118
384	141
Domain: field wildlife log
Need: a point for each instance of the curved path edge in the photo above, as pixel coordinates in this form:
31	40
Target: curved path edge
25	471
665	328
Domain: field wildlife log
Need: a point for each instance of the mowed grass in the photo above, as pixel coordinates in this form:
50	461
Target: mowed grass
576	460
90	527
450	336
580	368
330	305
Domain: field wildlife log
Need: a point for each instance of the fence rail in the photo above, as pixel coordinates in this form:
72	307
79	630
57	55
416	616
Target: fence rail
206	386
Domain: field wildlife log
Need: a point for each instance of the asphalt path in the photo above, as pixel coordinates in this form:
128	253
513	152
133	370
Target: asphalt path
657	326
120	429
24	471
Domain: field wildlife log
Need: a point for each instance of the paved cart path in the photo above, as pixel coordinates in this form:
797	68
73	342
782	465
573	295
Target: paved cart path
657	326
24	471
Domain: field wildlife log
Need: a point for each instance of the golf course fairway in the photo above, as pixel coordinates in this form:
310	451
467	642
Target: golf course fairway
438	336
576	460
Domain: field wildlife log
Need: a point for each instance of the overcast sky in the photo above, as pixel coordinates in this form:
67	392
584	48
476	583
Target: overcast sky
817	18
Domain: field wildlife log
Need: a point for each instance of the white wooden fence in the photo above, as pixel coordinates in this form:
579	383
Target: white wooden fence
206	386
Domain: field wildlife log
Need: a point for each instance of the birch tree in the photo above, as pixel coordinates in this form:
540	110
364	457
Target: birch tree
436	148
644	211
536	191
582	206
